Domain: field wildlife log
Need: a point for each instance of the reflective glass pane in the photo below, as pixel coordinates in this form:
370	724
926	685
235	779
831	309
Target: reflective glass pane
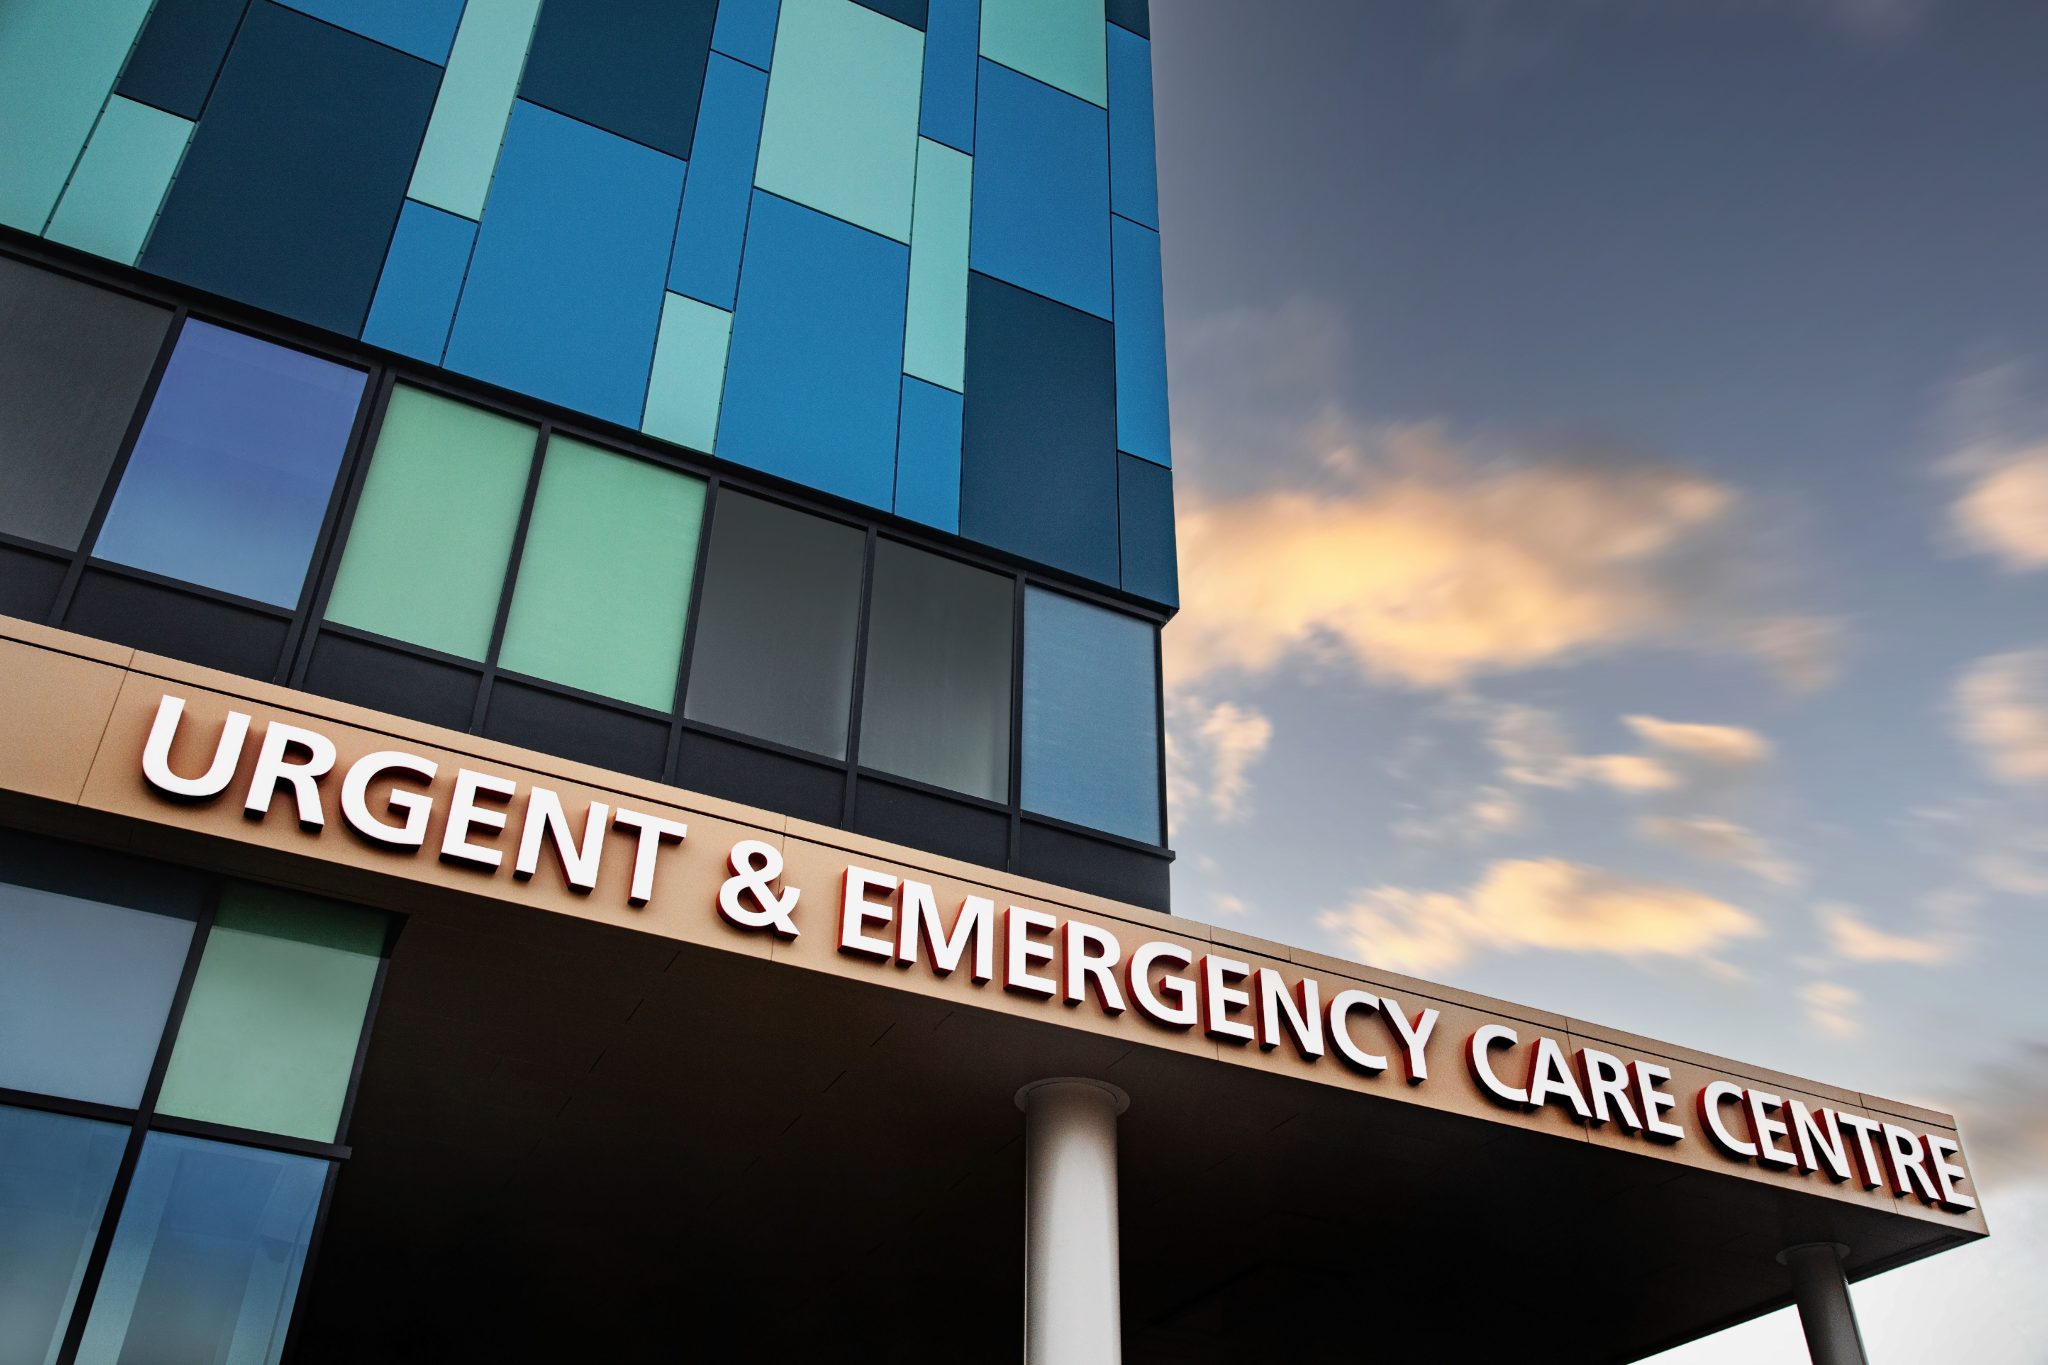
604	579
433	530
1091	720
91	947
232	472
55	1172
776	626
269	1034
73	364
935	705
206	1260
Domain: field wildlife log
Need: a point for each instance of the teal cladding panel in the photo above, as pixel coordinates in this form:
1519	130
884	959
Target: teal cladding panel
120	182
689	373
461	147
840	132
58	61
1059	42
935	334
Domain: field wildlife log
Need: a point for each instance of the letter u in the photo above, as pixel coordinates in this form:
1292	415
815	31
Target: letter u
156	755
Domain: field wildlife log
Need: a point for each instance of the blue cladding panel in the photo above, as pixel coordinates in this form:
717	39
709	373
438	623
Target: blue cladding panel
422	279
179	54
291	189
952	44
1145	525
1133	171
817	349
746	30
565	287
425	28
632	67
1091	730
232	472
1038	444
1141	418
714	223
928	456
1041	189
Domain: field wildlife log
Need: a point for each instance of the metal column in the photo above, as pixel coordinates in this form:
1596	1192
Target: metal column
1072	1300
1825	1313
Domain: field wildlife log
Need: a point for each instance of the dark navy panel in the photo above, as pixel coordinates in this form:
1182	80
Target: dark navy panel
911	12
813	377
425	28
745	30
952	50
292	186
632	67
565	287
1038	444
1041	189
1135	15
179	54
1145	522
713	228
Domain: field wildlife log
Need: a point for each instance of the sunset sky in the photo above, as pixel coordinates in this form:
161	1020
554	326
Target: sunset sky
1613	498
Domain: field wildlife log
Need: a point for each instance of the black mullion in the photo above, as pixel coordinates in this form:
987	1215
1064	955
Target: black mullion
1016	723
61	1104
518	556
772	746
694	608
119	468
232	1135
124	1174
1159	721
355	1073
187	589
860	668
306	1266
341	520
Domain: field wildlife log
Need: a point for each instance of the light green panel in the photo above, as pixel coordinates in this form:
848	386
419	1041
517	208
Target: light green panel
270	1032
111	202
461	147
604	580
689	373
58	63
1060	42
840	131
935	335
433	532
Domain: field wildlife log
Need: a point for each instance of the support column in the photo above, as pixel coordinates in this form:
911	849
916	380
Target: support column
1825	1313
1072	1300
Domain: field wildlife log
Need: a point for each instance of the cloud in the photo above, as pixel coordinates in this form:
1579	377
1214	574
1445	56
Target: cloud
1534	750
1831	1008
1523	903
2000	705
2002	511
1467	818
1716	840
1210	751
1726	746
1852	939
1414	561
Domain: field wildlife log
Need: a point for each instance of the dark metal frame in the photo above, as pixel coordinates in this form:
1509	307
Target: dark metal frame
143	1119
305	626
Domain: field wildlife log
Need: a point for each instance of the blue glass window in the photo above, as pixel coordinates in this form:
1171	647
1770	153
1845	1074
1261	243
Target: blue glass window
206	1260
91	947
1091	720
232	472
55	1173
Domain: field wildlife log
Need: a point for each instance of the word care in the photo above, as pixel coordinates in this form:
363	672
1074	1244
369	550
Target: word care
389	797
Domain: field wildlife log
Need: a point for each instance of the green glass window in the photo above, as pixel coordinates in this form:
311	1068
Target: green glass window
270	1033
433	530
604	580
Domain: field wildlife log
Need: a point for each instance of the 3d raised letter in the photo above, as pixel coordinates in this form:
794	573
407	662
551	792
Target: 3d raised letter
544	817
654	831
1483	1040
156	753
415	806
272	768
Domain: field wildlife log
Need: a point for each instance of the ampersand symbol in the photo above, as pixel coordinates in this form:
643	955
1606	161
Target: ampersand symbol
755	867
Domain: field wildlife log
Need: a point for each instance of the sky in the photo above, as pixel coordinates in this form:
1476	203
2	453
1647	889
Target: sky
1611	442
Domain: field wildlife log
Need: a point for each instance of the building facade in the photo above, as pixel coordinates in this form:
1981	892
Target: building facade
580	591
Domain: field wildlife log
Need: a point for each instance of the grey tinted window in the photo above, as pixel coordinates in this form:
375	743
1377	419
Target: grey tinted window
73	363
775	633
936	703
